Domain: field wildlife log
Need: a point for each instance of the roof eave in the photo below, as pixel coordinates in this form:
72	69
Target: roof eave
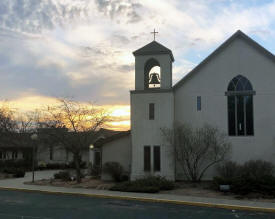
155	53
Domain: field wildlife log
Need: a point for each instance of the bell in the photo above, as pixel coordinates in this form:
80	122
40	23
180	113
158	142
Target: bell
154	78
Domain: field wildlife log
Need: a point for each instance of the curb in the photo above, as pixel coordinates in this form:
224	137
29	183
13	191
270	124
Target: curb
154	200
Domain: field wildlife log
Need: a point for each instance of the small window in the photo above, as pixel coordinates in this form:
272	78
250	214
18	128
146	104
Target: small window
198	103
147	158
156	158
151	111
1	155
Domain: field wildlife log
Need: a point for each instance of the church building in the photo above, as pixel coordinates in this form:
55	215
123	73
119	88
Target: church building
232	89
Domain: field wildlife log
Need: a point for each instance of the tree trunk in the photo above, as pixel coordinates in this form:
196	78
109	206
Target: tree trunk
77	161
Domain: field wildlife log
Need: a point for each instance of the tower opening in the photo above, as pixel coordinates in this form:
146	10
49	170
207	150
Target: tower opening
152	74
154	77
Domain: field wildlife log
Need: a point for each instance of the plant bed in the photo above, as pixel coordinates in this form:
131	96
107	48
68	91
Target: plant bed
205	189
253	178
152	184
183	188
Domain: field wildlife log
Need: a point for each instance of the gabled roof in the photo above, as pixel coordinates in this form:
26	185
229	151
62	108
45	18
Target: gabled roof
100	142
153	48
238	34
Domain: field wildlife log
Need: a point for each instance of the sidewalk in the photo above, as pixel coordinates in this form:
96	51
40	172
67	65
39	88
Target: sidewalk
18	184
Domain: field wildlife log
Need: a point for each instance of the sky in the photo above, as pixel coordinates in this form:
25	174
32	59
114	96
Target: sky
82	49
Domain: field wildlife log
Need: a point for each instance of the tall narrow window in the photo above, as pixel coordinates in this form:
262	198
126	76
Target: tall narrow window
51	152
240	107
1	155
97	158
198	103
147	158
151	111
156	158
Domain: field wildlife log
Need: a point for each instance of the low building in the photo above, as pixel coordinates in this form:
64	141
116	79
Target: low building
20	146
116	148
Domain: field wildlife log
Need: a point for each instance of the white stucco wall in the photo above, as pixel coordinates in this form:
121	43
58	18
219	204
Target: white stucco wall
118	150
147	132
211	82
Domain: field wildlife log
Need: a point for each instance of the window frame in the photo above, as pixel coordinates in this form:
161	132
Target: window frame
240	94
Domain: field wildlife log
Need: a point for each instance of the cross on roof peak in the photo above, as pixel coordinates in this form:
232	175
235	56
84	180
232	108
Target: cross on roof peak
154	32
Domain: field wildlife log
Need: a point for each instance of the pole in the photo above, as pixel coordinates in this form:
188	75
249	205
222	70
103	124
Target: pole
33	152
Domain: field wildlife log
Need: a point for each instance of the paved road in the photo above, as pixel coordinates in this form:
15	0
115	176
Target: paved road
32	205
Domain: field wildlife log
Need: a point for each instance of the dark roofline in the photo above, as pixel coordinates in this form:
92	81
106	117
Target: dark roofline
114	137
139	51
237	34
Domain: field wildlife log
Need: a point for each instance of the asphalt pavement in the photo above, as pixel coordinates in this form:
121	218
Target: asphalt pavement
36	205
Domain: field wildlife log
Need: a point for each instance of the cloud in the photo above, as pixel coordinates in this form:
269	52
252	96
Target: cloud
120	8
83	48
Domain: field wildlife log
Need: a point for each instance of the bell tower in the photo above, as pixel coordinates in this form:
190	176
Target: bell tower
152	108
152	55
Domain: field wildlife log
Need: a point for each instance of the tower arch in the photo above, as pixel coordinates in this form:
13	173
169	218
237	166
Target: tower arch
151	64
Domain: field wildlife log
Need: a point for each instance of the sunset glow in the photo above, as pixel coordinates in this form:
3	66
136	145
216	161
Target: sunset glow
119	114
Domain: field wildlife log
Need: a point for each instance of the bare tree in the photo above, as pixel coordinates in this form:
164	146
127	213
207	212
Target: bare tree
197	149
72	126
8	125
7	121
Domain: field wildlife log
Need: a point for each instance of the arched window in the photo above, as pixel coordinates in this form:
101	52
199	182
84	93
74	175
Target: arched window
152	74
240	106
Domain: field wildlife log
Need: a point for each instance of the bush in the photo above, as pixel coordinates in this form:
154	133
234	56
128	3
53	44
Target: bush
228	170
42	165
125	177
9	170
114	169
55	166
94	170
19	164
151	184
63	175
133	187
254	176
71	165
257	169
246	185
19	173
16	172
